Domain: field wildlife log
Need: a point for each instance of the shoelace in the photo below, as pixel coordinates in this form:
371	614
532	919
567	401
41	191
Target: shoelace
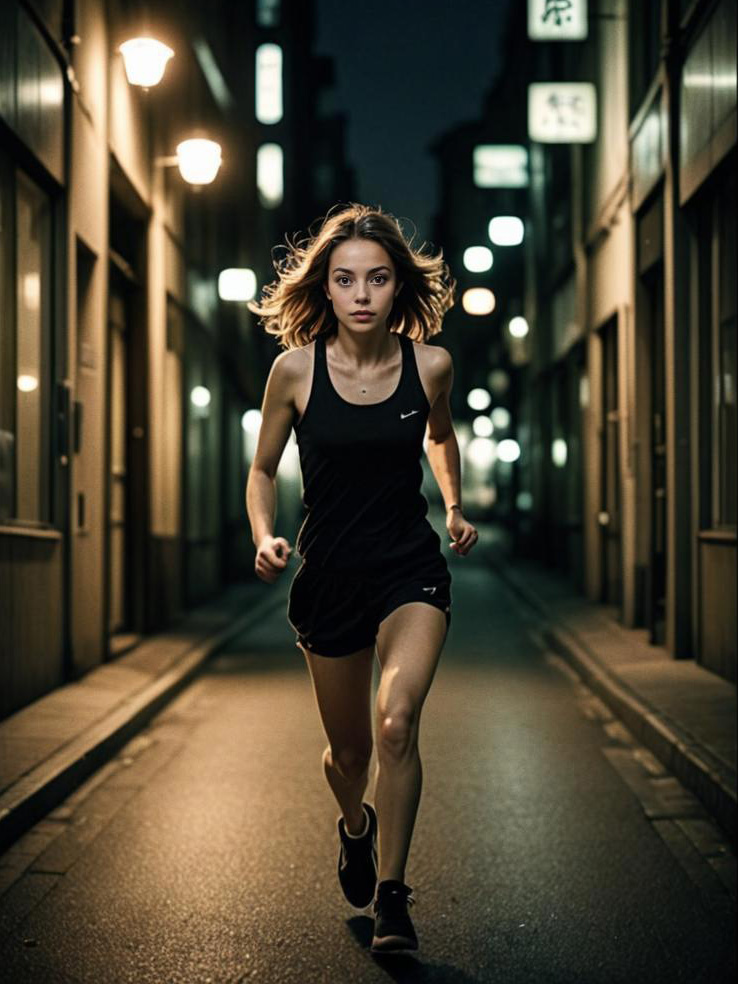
396	895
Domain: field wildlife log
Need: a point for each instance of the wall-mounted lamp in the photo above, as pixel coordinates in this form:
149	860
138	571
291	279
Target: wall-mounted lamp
145	60
198	160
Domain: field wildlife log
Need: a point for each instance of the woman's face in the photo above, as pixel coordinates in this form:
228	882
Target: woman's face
361	275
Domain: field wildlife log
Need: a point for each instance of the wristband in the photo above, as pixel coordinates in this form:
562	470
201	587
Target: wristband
454	505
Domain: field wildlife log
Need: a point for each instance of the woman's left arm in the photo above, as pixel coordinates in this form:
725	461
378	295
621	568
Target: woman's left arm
443	452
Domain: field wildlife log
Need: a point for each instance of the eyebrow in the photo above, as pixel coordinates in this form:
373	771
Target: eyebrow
373	269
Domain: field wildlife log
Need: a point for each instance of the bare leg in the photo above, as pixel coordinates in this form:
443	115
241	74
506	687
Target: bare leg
409	645
342	687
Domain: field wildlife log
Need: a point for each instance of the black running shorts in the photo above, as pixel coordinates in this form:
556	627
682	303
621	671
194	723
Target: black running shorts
335	613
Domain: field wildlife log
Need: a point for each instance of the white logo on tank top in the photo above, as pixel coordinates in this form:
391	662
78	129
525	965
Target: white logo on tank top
431	589
403	415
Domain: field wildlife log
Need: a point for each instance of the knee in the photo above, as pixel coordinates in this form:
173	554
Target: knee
351	762
397	732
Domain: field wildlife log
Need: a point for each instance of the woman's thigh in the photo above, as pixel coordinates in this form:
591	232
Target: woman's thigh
409	645
342	687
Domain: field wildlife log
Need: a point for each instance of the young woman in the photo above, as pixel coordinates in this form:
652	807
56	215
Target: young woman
353	307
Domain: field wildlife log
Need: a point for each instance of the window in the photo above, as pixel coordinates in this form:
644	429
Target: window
725	438
25	294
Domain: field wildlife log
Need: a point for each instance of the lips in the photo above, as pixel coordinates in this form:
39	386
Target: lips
360	314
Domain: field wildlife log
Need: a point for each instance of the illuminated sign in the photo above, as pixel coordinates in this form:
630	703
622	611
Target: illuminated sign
557	20
562	112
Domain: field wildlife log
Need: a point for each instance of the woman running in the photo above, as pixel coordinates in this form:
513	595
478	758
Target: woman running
353	306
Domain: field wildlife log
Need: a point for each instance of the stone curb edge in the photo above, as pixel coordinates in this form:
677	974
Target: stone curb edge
39	791
691	763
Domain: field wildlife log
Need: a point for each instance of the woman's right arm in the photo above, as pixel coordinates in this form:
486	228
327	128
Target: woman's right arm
272	553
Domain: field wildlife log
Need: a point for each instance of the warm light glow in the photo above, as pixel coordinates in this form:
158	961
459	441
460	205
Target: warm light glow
479	399
500	418
200	396
27	384
562	112
199	160
145	60
482	426
270	174
32	290
506	230
478	300
508	450
518	327
478	259
500	166
269	83
237	284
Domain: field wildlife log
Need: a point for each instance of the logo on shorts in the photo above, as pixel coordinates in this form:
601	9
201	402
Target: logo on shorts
403	415
431	589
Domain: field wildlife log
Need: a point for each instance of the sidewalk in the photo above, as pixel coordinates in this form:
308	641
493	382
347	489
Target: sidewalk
685	714
51	746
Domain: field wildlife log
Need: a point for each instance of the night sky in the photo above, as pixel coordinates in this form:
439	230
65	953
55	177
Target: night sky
405	73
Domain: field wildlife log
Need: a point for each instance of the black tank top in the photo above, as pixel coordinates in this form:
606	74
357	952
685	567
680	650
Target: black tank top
362	473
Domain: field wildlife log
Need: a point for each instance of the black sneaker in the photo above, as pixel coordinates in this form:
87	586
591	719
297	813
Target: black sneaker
357	862
393	927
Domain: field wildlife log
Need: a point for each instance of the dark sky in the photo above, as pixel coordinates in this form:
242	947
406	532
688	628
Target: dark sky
406	72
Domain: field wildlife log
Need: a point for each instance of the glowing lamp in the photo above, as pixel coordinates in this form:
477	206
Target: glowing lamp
198	160
145	60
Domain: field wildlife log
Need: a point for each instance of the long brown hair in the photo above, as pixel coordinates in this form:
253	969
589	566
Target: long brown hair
294	307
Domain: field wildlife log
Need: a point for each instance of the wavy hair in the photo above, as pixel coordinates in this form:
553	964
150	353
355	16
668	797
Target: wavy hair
294	307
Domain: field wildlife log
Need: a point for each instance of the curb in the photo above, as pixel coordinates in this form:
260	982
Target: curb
41	790
693	764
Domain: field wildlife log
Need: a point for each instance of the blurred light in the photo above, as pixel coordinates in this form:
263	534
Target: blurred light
500	418
478	259
481	452
558	452
500	166
144	60
479	399
524	501
269	83
518	327
562	112
198	160
544	27
478	300
236	284
482	426
506	230
508	450
499	381
270	174
584	390
213	75
27	384
200	396
251	421
32	290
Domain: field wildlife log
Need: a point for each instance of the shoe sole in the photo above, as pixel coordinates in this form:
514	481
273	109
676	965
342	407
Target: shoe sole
391	944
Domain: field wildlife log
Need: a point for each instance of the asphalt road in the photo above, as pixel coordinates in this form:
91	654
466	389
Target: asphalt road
206	851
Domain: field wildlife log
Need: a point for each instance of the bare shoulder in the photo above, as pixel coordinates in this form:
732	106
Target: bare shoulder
435	367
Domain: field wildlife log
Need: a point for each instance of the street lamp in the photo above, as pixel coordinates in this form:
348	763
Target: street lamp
145	60
198	160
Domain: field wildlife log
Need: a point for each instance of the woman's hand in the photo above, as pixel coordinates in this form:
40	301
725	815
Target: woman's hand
272	557
461	531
